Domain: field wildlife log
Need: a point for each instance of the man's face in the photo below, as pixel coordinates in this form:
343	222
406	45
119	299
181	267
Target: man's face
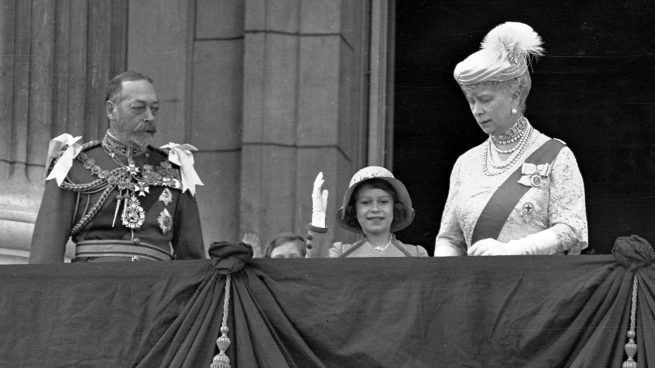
132	113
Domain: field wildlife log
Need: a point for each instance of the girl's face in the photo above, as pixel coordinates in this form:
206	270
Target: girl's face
374	208
491	106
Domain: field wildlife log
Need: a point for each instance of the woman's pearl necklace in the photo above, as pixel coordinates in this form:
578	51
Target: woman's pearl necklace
512	134
516	152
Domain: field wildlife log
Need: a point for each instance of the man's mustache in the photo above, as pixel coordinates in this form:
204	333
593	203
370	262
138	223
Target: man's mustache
150	128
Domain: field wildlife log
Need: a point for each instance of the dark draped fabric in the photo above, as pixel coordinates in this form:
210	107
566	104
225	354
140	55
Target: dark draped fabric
532	311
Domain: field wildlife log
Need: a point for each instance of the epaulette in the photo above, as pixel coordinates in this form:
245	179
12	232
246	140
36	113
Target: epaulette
164	152
90	144
56	155
160	150
86	147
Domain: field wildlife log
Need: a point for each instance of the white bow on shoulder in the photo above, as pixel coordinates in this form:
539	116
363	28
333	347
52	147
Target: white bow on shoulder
181	155
65	162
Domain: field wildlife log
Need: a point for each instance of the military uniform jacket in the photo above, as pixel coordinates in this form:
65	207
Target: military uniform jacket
169	220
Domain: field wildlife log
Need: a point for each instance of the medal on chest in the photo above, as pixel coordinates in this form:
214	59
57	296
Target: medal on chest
133	182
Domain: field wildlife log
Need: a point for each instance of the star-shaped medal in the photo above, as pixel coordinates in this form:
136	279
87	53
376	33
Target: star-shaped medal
165	221
166	196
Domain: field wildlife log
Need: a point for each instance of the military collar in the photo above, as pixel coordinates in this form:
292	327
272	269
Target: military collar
114	147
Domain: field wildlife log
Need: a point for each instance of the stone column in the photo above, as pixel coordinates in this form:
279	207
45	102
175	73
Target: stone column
304	110
55	60
194	52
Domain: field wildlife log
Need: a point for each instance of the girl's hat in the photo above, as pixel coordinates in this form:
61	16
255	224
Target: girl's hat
377	172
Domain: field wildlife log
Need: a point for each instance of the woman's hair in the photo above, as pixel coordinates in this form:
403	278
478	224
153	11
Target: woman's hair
522	83
400	213
286	238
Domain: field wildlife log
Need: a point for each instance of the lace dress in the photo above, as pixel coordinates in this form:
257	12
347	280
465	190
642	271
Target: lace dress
558	204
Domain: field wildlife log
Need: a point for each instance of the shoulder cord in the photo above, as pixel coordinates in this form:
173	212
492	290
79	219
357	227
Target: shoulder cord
92	212
88	188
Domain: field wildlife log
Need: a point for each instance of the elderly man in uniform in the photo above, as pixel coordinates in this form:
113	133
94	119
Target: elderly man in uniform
120	199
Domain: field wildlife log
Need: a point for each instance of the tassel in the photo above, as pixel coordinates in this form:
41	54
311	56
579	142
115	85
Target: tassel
631	346
221	360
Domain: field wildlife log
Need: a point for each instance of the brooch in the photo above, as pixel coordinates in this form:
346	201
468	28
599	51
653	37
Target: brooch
528	208
534	175
528	212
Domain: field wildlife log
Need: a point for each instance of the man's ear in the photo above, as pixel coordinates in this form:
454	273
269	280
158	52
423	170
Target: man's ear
109	109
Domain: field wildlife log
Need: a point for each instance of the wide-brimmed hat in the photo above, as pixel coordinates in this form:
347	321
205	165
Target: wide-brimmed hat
504	54
377	172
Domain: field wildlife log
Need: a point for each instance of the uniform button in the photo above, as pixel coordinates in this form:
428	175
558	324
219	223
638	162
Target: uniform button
137	241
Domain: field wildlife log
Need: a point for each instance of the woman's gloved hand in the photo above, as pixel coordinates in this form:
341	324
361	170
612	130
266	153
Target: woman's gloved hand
543	242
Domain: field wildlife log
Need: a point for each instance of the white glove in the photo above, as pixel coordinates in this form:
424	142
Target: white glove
543	242
253	240
443	250
319	201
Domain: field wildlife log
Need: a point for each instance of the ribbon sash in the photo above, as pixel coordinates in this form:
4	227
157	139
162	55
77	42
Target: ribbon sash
502	202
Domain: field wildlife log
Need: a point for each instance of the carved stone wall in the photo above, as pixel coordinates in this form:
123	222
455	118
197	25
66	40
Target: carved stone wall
55	59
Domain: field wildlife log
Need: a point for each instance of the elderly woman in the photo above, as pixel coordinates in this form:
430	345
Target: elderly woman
519	192
375	205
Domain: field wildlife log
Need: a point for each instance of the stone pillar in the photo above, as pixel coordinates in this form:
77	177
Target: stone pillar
55	60
194	52
304	110
217	113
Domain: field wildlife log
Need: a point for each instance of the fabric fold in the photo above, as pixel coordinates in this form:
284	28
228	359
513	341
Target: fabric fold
633	252
523	311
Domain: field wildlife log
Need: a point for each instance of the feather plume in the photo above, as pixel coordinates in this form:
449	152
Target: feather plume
513	41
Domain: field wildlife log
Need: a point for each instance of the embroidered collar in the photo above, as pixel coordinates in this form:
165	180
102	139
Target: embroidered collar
114	147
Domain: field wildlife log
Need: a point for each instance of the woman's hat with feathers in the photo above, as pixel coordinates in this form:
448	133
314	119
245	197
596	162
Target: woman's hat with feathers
504	54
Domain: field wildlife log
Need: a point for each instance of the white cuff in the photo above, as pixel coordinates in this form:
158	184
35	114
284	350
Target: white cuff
318	218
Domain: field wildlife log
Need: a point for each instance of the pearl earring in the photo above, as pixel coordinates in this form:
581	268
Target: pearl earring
514	111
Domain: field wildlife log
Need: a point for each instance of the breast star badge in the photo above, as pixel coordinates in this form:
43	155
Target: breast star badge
166	196
165	221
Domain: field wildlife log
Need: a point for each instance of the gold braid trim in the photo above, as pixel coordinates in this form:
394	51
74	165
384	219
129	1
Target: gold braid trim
92	212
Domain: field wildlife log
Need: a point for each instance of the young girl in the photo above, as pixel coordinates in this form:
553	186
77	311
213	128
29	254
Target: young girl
376	205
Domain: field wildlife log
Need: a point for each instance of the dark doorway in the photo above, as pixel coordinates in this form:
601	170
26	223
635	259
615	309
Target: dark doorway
594	89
